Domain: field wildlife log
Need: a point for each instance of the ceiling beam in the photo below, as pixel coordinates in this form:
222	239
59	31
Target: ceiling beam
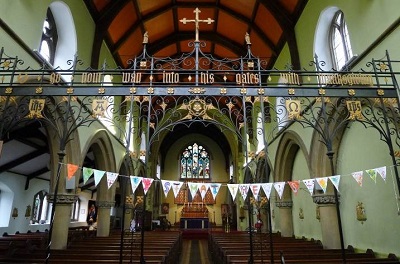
23	159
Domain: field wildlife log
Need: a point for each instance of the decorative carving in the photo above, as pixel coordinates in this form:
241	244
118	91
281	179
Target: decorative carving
62	198
105	204
360	210
284	204
324	199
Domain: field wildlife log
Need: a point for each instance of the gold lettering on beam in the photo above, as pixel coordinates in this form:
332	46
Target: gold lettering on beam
131	77
290	78
206	78
91	77
170	77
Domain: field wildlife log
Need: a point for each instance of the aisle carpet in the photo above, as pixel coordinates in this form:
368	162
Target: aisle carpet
195	252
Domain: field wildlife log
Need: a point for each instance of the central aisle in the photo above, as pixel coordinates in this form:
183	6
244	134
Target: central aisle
195	252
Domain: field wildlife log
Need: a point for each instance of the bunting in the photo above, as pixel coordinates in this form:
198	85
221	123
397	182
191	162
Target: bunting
233	189
203	187
71	170
322	182
176	187
294	185
279	187
98	174
255	189
267	187
111	177
214	187
244	189
382	172
166	187
135	181
358	176
372	174
87	172
146	182
309	183
193	188
335	181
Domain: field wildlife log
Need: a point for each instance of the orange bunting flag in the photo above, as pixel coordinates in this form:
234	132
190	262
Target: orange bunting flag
294	185
71	170
322	182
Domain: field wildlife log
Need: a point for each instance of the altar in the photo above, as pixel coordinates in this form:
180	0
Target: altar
194	216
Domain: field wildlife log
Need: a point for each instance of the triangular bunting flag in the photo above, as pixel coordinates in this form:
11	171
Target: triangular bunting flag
322	182
294	185
335	181
193	188
255	189
203	187
267	187
135	181
358	176
87	172
244	189
146	182
372	174
98	174
382	172
111	177
72	168
233	189
166	185
214	187
176	187
279	187
309	183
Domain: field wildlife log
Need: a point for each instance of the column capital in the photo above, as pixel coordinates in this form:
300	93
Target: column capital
105	204
284	204
324	199
62	198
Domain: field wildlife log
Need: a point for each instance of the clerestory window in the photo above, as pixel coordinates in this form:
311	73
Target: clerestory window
340	42
49	39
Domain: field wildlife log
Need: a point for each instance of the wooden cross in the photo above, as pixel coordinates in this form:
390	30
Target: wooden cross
196	22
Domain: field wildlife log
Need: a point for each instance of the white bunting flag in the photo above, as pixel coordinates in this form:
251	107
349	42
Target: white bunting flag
111	177
233	189
382	172
146	182
358	176
193	188
322	182
166	185
244	189
279	187
255	189
135	181
309	183
214	187
203	187
335	181
98	174
267	187
176	187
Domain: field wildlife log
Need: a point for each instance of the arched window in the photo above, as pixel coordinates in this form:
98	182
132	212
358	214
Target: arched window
49	39
195	162
40	207
339	40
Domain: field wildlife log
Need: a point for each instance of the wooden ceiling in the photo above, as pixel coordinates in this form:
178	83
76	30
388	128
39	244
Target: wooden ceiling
122	24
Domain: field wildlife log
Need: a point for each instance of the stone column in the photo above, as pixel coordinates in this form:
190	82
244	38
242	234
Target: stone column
329	221
103	218
62	218
286	219
128	216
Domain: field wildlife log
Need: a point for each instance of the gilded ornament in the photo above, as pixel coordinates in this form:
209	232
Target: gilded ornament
132	90
150	90
261	91
39	90
243	91
380	92
321	91
170	91
101	90
291	91
9	90
70	90
351	92
223	91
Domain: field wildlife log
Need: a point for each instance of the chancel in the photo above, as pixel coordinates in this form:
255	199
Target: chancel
199	131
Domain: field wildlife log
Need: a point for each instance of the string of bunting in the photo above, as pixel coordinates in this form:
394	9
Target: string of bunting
243	188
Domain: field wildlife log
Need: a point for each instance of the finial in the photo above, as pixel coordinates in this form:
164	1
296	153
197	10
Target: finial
145	38
247	38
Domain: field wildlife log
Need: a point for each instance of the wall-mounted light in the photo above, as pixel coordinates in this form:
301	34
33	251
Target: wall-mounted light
360	210
28	211
15	212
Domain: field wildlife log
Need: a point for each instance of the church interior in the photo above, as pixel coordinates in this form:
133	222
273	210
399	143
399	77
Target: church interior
209	131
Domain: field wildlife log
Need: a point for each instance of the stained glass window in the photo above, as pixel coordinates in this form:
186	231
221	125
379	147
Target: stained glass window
195	163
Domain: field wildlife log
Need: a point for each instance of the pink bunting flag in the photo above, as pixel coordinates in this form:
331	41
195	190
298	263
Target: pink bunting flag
233	189
372	174
335	181
267	187
244	189
214	187
72	168
279	187
294	185
135	181
176	187
146	182
166	185
322	182
358	176
98	174
382	172
255	189
111	177
309	183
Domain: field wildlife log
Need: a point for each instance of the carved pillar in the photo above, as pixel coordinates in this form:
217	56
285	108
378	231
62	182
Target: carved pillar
128	215
62	218
328	219
103	218
286	219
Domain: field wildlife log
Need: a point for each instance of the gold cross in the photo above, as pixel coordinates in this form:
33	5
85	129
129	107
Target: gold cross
196	22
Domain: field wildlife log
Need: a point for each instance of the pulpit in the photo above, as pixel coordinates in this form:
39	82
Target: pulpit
194	215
